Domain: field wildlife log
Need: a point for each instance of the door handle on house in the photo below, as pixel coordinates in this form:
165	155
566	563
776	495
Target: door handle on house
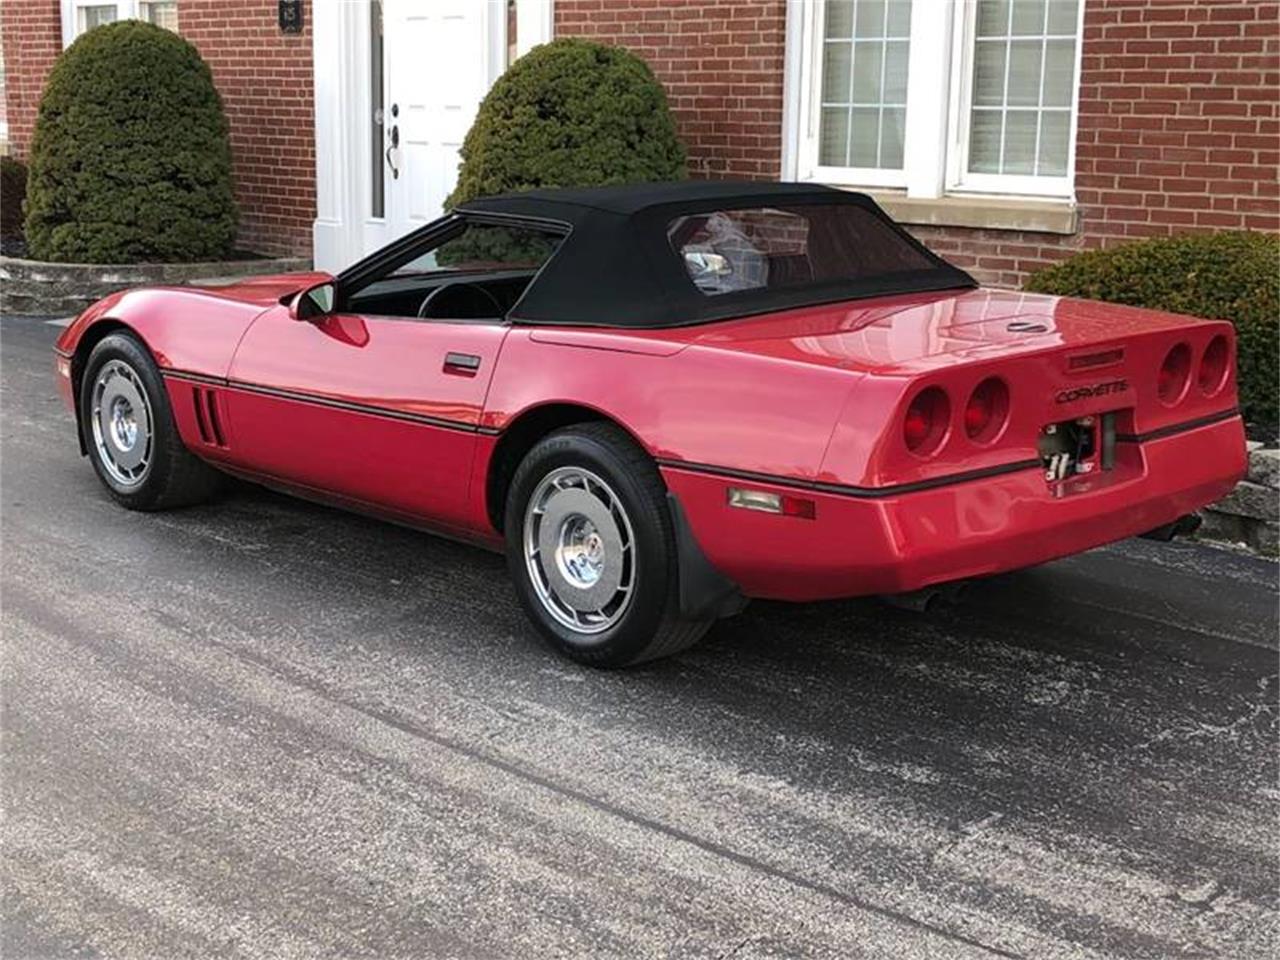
392	150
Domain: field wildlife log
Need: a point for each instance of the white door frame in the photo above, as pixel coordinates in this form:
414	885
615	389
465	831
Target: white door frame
340	66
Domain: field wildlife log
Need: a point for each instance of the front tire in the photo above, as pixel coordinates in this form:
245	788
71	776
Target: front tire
128	429
591	549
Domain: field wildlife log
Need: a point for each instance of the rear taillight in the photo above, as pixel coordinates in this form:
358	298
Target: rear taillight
987	410
1213	366
1174	374
926	422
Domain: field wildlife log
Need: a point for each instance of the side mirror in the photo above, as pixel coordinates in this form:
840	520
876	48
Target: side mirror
312	303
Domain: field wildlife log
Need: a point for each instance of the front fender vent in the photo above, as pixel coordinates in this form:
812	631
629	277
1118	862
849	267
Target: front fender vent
208	416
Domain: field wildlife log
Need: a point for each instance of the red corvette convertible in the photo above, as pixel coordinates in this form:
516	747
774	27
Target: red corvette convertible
661	400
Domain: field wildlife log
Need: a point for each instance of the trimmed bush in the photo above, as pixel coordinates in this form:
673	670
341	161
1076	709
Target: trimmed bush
13	187
130	160
1229	276
570	113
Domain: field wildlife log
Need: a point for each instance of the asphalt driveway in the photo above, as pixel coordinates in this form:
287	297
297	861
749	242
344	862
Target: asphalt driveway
265	728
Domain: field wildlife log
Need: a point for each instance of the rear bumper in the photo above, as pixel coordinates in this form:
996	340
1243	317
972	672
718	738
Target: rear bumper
864	545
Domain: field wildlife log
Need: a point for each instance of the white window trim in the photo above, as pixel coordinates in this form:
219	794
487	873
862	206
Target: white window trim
936	136
812	27
958	180
125	10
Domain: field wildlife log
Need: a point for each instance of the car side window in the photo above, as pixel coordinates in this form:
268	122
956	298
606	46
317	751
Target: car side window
476	272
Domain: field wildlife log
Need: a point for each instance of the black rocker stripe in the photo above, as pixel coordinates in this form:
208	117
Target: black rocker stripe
1175	428
331	402
852	491
694	467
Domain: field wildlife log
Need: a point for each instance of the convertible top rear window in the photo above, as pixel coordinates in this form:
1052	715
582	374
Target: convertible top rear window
768	248
671	254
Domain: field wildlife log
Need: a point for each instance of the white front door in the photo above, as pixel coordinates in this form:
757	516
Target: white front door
412	70
436	66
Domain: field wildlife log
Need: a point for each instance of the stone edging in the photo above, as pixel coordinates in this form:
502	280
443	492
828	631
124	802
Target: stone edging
63	289
1250	514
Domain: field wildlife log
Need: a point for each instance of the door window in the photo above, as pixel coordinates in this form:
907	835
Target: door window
470	271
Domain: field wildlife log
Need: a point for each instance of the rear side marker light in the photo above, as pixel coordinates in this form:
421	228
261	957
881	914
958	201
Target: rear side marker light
925	425
1175	372
779	503
1213	366
987	410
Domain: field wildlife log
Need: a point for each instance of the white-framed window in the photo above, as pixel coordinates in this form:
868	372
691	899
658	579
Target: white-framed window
934	97
81	15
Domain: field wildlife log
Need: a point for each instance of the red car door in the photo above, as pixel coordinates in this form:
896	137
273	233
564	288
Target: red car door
379	410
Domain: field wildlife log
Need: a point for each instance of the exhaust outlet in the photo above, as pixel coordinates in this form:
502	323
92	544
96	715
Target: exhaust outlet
926	598
1182	527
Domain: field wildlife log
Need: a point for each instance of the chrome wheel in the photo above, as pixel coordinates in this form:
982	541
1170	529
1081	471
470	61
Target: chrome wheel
580	550
121	422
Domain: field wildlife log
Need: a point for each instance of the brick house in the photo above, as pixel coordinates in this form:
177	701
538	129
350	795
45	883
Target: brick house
1007	133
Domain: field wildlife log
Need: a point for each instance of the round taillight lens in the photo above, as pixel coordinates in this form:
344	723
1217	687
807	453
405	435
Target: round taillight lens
926	421
987	410
1213	366
1174	374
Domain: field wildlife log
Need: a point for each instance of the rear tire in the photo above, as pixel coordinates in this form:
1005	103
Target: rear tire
128	429
591	549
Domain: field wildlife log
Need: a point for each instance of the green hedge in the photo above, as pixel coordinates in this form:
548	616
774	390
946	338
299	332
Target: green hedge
13	187
1227	276
130	160
570	113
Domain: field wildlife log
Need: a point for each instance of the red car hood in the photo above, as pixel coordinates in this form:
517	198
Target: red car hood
265	290
931	330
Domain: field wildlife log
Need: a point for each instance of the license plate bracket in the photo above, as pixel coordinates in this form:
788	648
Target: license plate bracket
1072	447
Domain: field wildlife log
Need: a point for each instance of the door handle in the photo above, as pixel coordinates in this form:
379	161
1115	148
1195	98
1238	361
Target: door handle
395	145
461	364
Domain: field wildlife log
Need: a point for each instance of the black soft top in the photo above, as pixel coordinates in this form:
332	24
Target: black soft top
618	266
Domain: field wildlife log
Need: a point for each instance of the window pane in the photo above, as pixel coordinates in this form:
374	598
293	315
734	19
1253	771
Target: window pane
482	247
867	72
899	24
833	144
1055	129
1023	87
895	73
837	63
1063	18
1020	142
96	15
984	141
868	18
377	159
839	19
1028	17
163	13
1024	73
767	248
993	18
864	140
988	73
863	78
1059	72
892	136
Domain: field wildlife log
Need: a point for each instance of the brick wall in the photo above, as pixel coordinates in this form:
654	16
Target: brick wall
31	31
721	62
265	79
1178	128
1179	125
